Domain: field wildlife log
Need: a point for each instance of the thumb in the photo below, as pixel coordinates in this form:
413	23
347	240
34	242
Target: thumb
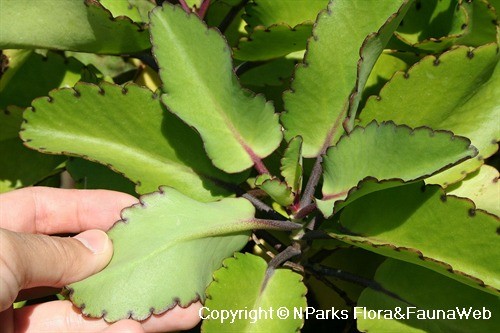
40	260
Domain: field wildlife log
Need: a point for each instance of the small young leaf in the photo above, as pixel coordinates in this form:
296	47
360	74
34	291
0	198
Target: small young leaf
127	129
423	226
430	292
482	187
463	99
320	97
291	164
238	129
387	152
277	190
83	26
264	291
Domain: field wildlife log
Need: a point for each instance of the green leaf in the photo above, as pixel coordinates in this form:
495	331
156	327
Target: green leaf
165	251
271	79
21	166
43	74
269	12
272	42
122	8
463	99
482	187
435	25
291	164
83	26
423	226
89	175
387	152
483	24
128	130
264	289
278	191
238	129
321	91
426	291
388	63
217	14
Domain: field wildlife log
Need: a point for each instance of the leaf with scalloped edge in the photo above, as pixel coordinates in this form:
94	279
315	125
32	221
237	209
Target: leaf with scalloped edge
426	291
277	40
237	128
128	129
388	63
483	24
482	187
122	8
457	91
439	25
278	190
165	251
422	225
291	164
435	25
264	289
321	91
91	175
21	166
43	74
390	154
83	26
269	12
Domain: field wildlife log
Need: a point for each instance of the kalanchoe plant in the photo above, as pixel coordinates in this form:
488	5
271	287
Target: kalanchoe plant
355	178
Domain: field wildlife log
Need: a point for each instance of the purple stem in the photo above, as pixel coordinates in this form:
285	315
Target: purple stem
203	8
307	196
185	6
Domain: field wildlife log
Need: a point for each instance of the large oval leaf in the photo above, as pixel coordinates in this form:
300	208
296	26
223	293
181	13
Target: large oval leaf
128	130
387	152
238	129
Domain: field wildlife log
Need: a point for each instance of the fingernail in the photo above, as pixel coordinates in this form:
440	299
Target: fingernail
95	240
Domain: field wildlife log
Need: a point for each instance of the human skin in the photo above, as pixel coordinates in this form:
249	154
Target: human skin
31	260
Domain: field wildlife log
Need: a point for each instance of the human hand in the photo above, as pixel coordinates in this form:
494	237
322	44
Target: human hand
30	260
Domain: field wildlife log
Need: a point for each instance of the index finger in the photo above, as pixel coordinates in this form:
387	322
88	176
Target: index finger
46	210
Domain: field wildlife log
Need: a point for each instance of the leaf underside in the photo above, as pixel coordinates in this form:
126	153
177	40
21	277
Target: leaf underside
237	128
421	225
266	289
87	121
165	251
390	154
